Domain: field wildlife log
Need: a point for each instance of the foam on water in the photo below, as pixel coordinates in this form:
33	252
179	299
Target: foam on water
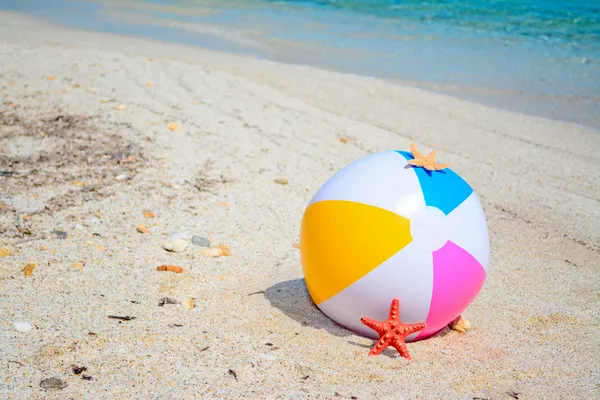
540	57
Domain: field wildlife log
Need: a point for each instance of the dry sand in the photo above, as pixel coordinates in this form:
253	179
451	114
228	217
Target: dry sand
242	124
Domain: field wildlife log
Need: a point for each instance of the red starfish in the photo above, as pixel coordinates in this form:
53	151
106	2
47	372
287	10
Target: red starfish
392	332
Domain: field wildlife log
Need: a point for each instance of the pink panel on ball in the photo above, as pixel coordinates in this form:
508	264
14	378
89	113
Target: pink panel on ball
457	279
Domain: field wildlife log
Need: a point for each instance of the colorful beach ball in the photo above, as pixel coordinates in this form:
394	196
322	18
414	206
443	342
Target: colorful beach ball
381	229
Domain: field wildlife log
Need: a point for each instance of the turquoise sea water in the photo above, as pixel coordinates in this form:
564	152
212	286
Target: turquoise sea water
540	57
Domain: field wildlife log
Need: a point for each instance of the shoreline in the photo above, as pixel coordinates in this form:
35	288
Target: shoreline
527	99
96	177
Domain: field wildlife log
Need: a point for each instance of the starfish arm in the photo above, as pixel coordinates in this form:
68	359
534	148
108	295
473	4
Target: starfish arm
401	347
412	328
377	326
394	313
381	345
442	166
415	152
432	154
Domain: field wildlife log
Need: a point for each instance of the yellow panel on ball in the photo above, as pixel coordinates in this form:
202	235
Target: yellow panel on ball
342	241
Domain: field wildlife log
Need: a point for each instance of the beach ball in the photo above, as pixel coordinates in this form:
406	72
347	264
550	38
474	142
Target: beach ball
381	228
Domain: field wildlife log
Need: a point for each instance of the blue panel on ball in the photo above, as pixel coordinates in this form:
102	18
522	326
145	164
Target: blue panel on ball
442	189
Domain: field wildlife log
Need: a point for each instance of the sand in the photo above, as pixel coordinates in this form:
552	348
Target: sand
85	141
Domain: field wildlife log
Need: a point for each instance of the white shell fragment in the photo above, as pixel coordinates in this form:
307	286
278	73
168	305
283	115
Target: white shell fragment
175	244
22	326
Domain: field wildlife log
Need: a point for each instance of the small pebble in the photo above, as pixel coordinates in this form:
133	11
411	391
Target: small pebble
226	251
148	214
22	326
121	107
201	241
281	181
212	252
78	370
173	126
28	269
141	228
121	177
167	300
175	244
53	383
171	268
61	234
189	304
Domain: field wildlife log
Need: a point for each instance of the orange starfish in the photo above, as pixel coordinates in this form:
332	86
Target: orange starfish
392	332
427	162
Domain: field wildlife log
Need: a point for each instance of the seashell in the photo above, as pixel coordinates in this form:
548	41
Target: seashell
175	244
460	324
212	252
22	326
